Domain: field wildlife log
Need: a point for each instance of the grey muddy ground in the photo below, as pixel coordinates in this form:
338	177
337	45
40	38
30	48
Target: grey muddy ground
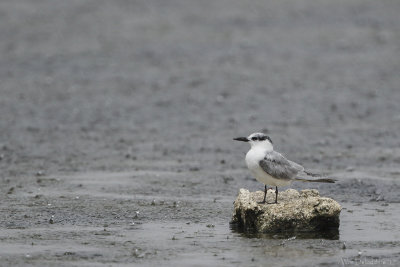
117	119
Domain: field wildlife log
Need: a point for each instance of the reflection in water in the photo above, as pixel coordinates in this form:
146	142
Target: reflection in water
330	234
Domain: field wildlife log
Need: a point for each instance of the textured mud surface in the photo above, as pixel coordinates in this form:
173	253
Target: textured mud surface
117	119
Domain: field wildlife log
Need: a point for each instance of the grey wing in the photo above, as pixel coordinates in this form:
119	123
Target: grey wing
297	166
279	167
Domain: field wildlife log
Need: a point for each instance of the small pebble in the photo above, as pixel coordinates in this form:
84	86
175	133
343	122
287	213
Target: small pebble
291	238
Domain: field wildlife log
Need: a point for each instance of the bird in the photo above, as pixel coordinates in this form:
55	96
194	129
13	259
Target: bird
271	167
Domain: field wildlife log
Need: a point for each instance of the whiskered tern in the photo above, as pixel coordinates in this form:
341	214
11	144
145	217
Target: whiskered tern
270	167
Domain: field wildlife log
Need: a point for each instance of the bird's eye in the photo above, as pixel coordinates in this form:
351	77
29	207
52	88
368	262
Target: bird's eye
254	138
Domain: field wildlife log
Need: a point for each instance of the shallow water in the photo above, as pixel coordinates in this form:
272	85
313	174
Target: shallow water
117	119
97	220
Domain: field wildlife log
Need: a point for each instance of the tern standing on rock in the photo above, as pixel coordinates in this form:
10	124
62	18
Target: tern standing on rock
270	167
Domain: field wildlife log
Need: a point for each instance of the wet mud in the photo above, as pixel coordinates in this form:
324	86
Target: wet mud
117	121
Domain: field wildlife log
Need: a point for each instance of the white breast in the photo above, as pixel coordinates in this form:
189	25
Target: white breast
253	157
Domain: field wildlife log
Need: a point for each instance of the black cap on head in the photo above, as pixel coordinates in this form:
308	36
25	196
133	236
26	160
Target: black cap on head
259	137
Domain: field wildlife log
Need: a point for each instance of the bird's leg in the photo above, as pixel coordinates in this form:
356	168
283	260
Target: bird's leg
265	193
276	195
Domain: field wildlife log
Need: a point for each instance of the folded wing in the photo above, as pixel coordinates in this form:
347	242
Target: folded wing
279	167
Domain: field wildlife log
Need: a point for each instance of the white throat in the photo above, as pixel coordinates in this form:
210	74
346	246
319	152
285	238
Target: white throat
257	153
265	146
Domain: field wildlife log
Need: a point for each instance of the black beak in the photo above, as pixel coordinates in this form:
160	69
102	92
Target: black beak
243	139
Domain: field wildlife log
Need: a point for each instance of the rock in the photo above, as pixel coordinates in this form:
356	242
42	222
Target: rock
304	211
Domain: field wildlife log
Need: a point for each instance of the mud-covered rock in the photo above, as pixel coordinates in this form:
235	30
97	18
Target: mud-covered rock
302	211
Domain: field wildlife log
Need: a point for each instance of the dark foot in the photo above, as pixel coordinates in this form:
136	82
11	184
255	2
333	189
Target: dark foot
265	193
265	196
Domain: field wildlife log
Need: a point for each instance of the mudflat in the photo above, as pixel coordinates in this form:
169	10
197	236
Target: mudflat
117	119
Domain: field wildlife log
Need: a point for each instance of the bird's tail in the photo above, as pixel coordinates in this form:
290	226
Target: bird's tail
322	180
313	174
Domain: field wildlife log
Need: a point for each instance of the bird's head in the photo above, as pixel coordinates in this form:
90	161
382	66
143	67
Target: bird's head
257	139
